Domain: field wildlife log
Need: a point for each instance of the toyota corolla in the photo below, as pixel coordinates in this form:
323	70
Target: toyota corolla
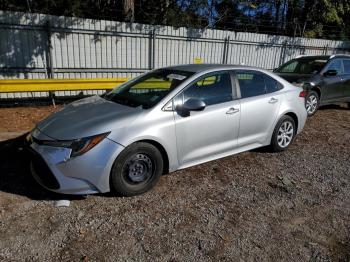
165	120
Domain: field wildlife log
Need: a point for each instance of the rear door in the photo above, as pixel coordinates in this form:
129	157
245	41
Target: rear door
332	86
260	102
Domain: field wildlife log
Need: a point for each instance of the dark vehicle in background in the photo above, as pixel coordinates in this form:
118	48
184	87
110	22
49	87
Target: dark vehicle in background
325	78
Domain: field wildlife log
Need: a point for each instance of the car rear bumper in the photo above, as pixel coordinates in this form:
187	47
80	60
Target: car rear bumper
89	173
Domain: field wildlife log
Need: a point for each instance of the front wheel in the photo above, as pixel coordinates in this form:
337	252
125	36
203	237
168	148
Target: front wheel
312	102
283	134
137	169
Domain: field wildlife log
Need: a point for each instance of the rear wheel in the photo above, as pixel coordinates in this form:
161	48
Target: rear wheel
283	135
137	169
312	102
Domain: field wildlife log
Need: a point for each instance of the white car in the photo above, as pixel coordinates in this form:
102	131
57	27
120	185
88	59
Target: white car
165	120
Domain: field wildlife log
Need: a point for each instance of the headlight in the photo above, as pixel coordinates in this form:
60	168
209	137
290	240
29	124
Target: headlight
78	146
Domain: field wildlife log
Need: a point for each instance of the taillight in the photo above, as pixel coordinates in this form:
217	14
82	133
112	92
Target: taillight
302	94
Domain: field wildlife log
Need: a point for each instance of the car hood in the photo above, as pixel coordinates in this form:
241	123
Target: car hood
87	117
295	78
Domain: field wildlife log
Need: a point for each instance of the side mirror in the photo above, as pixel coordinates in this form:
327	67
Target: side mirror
331	72
194	104
191	104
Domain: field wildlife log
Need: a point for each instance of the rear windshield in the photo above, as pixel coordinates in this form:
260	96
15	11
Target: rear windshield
302	66
149	89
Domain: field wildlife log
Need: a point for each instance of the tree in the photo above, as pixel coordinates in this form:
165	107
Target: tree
304	18
129	10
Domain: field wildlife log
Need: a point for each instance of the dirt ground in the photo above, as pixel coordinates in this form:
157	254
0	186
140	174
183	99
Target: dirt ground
255	206
21	119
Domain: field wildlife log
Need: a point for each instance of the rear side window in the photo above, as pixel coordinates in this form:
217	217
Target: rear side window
254	83
302	66
289	67
346	64
212	89
271	84
251	83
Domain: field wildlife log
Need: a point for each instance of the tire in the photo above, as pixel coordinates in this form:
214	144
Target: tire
283	124
136	170
312	103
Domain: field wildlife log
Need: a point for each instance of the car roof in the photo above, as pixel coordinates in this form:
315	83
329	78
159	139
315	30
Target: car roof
196	68
313	57
325	57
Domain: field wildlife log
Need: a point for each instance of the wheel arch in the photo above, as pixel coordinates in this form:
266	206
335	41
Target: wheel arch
285	113
156	144
291	114
295	118
317	90
162	151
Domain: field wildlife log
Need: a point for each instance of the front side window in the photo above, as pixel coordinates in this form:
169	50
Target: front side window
302	66
346	64
212	89
149	89
336	65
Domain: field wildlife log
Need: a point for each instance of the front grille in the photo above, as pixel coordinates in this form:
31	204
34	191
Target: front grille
41	171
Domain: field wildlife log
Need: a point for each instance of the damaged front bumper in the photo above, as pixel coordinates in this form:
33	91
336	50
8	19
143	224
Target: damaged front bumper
54	169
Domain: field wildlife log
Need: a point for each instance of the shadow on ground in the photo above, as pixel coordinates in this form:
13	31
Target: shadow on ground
15	176
337	107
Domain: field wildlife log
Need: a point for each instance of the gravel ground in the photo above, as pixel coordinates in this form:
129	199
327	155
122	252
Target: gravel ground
255	206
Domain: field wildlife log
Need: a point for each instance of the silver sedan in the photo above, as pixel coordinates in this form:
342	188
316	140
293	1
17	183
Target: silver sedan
165	120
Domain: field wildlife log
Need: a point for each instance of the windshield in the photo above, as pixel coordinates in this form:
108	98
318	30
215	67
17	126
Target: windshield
302	66
149	89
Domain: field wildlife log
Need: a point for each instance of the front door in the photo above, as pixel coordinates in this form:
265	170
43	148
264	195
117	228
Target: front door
204	135
346	80
332	86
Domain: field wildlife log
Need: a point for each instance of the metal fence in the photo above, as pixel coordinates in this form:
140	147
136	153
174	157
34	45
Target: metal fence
36	46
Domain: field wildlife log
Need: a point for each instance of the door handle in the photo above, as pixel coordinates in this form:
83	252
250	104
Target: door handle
273	100
232	110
